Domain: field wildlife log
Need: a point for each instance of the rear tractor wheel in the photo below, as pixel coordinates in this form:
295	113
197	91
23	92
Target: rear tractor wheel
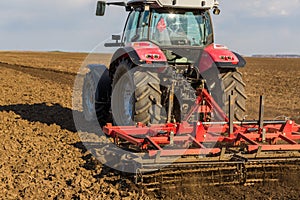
136	95
224	82
234	85
96	95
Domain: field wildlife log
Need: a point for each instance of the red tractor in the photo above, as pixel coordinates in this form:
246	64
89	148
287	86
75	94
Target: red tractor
174	98
165	43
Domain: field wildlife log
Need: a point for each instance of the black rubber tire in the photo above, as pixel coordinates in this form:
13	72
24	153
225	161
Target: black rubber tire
214	86
147	97
234	85
102	99
221	83
136	95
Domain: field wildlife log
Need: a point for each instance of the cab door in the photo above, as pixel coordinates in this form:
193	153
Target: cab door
136	28
131	28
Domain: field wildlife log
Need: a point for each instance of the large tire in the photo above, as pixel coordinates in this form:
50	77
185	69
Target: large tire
102	99
234	85
96	95
136	95
221	83
214	86
147	97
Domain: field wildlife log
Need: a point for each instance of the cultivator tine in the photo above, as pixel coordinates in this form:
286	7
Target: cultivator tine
261	113
231	113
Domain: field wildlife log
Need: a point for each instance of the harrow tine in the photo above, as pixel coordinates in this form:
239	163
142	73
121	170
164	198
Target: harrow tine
231	113
261	113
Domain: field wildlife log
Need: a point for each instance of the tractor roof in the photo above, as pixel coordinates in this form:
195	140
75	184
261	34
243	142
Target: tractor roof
189	4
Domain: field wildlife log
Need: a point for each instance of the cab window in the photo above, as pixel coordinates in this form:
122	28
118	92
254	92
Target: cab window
130	30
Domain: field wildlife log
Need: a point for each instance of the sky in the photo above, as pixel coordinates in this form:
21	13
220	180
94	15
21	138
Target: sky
248	27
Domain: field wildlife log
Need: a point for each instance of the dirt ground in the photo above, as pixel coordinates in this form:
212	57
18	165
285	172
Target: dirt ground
42	157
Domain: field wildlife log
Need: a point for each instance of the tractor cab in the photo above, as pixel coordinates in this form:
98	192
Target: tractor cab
166	22
165	27
181	29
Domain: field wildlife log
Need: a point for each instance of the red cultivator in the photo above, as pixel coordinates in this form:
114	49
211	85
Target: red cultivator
232	148
179	139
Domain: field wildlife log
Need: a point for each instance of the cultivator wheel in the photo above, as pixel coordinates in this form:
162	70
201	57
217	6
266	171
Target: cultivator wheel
136	95
234	85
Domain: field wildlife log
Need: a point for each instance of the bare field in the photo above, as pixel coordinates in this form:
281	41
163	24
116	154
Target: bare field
42	157
278	79
61	61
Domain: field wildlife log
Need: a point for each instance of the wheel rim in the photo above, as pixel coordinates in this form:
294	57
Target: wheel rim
123	100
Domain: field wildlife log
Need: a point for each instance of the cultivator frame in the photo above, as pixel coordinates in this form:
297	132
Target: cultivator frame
269	135
228	151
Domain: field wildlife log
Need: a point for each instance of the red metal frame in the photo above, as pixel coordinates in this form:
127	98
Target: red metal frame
177	139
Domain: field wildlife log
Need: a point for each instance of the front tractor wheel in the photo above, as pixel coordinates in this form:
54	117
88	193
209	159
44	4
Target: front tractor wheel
136	95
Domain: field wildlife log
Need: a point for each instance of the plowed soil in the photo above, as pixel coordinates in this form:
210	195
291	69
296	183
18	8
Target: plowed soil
42	157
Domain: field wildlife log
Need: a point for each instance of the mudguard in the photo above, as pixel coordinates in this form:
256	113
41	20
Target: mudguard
140	53
223	57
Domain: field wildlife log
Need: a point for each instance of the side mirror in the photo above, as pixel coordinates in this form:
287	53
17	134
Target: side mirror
100	8
216	11
115	44
116	37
